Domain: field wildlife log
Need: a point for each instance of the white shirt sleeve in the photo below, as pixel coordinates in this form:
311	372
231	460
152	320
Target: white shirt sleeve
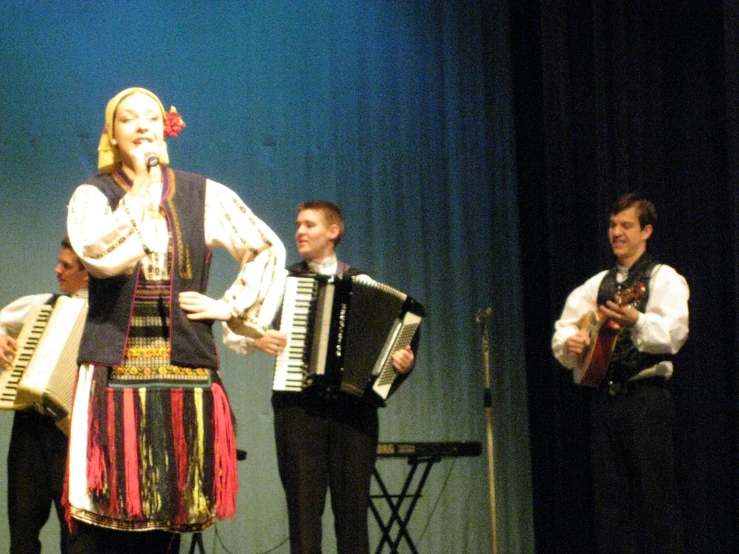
238	343
109	242
14	315
661	329
581	301
256	293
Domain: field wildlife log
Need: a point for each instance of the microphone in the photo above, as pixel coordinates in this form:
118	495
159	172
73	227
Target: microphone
152	160
483	315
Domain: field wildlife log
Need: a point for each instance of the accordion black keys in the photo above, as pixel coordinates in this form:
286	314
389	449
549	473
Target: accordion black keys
341	334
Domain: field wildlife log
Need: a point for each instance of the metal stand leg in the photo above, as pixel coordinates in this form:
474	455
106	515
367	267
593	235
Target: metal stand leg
197	541
395	502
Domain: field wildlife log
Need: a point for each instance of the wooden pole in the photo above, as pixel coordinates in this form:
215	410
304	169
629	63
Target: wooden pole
482	318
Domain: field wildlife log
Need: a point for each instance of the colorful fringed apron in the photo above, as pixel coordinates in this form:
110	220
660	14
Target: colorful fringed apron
152	444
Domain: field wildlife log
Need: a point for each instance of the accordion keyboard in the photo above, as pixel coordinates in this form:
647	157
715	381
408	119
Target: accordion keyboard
341	334
27	341
290	365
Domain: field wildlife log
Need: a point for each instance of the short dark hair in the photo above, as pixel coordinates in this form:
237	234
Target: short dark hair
331	213
66	243
644	208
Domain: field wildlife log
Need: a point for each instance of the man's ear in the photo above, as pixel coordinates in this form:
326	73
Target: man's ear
333	232
647	231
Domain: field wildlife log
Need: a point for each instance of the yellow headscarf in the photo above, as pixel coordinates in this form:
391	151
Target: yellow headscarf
108	155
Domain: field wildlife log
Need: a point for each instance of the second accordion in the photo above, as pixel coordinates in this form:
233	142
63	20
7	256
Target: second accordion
341	334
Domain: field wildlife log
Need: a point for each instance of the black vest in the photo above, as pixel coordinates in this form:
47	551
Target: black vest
302	268
111	299
626	360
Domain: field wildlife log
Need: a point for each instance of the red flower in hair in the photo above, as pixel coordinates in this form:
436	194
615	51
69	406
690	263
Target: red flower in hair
173	123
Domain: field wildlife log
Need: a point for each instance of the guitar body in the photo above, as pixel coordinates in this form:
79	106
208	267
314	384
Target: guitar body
602	335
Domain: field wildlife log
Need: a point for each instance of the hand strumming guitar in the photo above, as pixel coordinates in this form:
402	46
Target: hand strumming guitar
577	343
623	316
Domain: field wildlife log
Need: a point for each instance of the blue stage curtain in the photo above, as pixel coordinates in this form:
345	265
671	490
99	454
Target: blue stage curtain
398	111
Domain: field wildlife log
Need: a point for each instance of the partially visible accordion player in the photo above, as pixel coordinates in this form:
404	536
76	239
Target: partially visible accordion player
341	334
44	368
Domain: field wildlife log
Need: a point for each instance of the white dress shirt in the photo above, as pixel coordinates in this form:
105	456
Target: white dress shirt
661	329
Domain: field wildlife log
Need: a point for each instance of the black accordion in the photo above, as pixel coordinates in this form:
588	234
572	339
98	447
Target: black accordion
341	334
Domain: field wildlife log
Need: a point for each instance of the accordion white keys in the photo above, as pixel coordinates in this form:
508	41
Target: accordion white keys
341	334
44	369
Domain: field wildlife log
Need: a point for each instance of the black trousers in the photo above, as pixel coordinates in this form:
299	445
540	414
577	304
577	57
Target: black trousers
635	491
326	444
37	458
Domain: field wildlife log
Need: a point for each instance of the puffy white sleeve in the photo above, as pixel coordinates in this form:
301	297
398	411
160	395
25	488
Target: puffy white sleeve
256	294
581	301
663	327
238	343
110	242
14	315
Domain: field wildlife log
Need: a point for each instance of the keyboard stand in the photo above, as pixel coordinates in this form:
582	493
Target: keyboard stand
396	501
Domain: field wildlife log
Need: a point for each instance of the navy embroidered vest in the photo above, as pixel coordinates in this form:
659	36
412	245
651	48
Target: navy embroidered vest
627	360
111	299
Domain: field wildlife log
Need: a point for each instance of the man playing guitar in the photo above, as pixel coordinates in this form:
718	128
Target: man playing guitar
635	497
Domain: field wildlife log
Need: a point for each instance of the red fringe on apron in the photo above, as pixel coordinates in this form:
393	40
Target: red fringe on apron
226	475
159	456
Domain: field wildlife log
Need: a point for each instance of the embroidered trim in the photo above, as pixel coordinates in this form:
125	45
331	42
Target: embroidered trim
168	372
121	182
119	241
184	263
148	352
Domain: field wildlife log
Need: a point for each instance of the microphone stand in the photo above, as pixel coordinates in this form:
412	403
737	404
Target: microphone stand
482	317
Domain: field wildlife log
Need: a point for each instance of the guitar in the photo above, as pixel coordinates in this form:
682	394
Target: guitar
602	335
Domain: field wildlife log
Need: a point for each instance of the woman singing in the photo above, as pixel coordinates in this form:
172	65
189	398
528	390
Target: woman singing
152	444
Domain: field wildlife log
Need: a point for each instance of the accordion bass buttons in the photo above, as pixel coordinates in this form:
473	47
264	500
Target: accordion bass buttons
341	330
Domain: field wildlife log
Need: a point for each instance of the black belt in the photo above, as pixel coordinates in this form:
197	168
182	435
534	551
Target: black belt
616	388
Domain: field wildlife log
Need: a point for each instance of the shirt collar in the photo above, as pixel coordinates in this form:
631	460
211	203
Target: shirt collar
324	267
82	293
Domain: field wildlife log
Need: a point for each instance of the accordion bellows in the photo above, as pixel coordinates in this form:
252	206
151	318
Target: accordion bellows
342	332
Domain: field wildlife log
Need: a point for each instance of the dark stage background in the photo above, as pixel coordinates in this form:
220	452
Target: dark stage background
475	147
612	97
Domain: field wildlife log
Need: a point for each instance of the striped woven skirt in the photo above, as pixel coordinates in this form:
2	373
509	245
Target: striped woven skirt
152	445
150	457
